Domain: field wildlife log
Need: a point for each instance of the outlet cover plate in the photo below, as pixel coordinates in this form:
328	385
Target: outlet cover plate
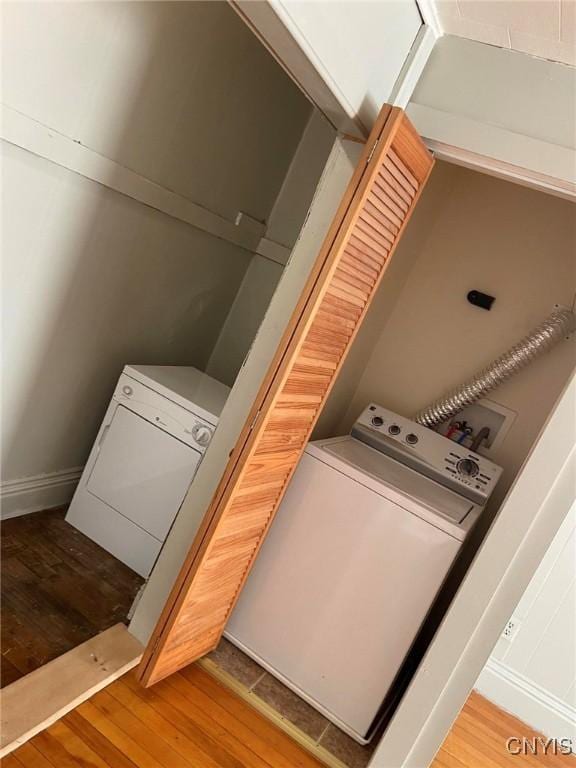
511	629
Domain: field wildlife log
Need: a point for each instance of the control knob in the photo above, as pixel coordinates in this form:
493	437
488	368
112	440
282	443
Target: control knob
467	467
202	434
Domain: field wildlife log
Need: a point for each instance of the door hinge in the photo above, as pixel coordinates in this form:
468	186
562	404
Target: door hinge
371	155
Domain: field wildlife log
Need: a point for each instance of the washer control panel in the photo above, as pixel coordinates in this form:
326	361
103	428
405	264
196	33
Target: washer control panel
429	453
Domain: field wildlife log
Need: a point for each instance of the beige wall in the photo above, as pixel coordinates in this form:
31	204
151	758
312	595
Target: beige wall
470	231
94	279
167	90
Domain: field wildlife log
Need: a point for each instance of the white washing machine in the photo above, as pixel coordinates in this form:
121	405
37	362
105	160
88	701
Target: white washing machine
365	535
156	429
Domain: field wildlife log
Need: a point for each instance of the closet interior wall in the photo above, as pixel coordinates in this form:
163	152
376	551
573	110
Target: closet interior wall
422	337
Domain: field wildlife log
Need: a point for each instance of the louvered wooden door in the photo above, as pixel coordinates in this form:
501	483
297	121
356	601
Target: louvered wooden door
377	204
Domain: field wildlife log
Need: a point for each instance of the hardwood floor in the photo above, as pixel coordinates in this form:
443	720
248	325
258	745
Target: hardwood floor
187	721
58	589
478	740
191	721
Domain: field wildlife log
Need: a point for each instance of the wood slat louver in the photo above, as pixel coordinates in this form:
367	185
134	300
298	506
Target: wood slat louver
371	218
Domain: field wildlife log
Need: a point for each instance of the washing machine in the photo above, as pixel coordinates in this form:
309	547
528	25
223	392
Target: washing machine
156	429
359	548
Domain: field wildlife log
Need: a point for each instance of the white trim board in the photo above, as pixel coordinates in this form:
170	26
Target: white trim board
413	67
429	14
45	142
497	151
32	494
527	701
38	699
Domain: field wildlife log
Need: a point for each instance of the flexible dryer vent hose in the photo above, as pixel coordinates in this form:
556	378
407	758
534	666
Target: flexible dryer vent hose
558	325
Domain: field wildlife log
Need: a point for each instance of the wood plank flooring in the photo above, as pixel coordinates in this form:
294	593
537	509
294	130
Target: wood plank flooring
58	589
187	721
478	740
191	721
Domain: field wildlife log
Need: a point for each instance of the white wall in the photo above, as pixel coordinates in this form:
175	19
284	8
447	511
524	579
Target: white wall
359	47
479	232
502	87
533	674
348	56
499	104
263	274
92	278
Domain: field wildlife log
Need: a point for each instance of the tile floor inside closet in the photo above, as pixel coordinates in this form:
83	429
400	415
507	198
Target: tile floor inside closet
58	589
259	684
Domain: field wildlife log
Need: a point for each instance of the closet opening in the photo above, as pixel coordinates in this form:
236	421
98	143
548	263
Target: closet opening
142	247
338	611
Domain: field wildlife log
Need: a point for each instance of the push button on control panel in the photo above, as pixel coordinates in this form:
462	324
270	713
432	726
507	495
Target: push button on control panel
394	429
377	421
411	438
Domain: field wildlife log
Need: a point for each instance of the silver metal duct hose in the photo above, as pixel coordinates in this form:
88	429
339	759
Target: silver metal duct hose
558	325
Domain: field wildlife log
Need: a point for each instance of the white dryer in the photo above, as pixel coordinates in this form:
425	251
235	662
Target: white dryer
363	540
158	425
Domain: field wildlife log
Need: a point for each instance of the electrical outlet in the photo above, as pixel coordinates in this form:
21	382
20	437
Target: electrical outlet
511	629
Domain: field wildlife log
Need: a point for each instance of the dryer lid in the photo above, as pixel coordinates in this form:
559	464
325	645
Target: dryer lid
389	472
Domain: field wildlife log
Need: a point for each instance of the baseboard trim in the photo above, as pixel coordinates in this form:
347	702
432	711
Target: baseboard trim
526	700
32	494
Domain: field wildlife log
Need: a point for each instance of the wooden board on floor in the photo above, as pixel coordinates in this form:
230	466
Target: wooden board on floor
40	698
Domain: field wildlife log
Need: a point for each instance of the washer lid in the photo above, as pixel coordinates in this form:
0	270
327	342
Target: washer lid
389	472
